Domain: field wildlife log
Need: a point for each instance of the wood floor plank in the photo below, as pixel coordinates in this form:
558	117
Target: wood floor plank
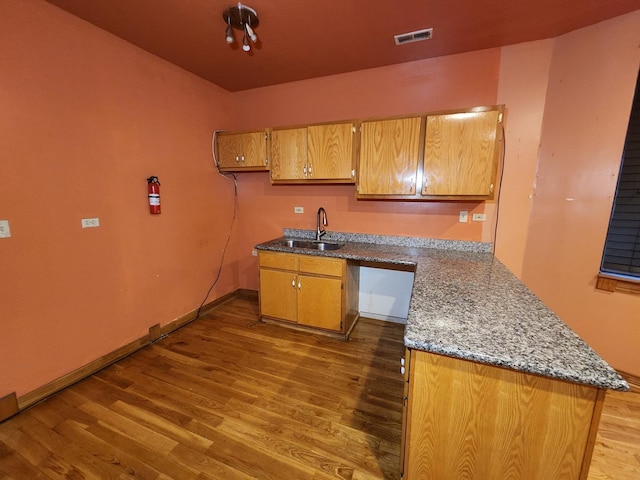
127	464
229	397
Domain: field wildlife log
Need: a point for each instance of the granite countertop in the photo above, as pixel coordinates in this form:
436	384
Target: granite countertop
466	304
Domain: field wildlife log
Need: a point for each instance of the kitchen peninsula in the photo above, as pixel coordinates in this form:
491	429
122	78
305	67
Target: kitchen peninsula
497	386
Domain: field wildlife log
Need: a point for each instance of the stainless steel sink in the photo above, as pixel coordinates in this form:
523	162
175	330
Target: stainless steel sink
326	246
297	243
311	244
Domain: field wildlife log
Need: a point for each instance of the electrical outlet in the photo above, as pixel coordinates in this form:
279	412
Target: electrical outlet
464	216
298	209
5	231
90	222
479	217
254	252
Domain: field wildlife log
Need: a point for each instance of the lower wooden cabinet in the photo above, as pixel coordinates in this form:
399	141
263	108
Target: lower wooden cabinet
466	420
309	291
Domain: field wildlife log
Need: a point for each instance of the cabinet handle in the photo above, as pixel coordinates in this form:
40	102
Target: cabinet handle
402	370
402	361
353	173
310	171
299	285
491	188
304	170
293	282
237	158
242	158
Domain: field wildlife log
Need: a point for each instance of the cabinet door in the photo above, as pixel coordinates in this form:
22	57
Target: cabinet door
289	154
254	149
330	152
320	302
242	151
278	290
229	148
389	151
460	154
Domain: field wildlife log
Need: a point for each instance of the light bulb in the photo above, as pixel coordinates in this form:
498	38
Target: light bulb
245	43
252	34
229	35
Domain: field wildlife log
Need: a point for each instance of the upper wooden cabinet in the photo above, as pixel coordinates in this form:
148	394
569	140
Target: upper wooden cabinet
460	153
317	153
242	151
389	155
446	156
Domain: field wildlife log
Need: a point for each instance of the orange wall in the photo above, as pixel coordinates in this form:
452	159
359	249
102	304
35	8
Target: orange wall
85	119
442	83
591	83
524	72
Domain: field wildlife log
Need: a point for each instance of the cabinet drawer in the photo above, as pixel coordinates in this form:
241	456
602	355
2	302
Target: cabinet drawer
322	266
283	261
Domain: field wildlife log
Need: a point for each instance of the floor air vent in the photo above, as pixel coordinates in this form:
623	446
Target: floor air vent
411	37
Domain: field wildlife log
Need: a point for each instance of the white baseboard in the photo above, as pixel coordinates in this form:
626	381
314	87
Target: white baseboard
385	318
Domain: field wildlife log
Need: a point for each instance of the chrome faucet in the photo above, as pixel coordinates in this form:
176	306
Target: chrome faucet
322	221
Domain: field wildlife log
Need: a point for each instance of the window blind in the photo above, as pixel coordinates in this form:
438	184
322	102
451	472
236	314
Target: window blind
622	245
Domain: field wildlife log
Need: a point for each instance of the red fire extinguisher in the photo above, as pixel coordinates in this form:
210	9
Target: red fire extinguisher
154	195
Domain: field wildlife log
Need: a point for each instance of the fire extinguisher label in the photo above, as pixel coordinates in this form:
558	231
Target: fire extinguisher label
154	199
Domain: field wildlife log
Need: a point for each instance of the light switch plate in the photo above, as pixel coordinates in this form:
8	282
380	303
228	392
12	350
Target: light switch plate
90	222
479	217
464	216
298	209
5	231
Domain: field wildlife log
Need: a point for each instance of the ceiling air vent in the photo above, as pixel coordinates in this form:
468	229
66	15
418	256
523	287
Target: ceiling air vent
411	37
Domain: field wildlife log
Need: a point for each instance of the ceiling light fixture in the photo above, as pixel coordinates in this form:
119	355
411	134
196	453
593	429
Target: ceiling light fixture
243	18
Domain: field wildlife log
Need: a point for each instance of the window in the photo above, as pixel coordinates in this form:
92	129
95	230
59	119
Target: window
620	269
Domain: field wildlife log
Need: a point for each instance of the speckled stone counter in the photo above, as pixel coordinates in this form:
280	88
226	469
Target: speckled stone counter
466	304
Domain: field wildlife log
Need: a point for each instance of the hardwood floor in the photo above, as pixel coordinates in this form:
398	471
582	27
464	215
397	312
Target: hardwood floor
228	397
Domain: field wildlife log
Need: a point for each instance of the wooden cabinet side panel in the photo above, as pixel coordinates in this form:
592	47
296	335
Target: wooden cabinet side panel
320	302
473	421
593	432
330	151
405	412
460	153
389	152
278	294
352	296
288	154
254	149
